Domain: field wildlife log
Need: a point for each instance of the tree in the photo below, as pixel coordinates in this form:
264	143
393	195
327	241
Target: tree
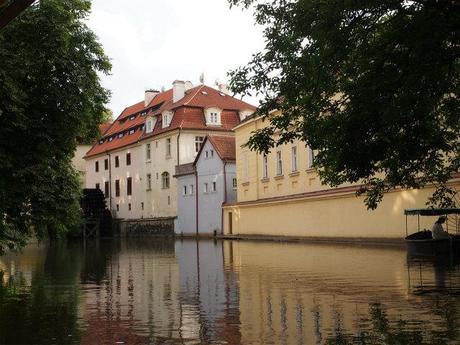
373	86
50	97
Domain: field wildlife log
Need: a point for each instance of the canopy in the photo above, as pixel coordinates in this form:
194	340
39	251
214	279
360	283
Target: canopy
431	211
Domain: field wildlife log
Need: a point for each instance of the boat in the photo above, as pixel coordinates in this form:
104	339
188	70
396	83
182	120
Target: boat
421	243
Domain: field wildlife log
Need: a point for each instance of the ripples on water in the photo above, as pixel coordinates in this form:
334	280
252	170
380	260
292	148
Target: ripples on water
213	292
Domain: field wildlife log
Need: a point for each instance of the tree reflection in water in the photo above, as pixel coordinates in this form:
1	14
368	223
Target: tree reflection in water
379	329
44	310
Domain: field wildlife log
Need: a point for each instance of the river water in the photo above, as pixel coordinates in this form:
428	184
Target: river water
147	291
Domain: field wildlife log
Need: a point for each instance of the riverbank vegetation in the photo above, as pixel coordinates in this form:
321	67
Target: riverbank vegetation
50	100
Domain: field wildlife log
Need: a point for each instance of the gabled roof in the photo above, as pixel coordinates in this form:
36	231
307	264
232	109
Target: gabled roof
223	144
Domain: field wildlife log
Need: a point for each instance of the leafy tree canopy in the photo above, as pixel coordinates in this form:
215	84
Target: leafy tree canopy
373	86
50	97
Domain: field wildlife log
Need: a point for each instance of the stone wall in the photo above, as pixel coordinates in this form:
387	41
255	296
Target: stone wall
147	227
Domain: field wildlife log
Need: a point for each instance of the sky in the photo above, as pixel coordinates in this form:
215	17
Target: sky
151	43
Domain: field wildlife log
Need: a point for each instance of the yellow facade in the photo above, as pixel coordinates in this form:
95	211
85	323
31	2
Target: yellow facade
293	202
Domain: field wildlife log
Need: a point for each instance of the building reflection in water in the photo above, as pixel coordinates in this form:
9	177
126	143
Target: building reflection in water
146	291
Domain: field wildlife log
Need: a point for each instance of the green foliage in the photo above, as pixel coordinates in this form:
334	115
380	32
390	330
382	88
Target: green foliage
373	86
50	97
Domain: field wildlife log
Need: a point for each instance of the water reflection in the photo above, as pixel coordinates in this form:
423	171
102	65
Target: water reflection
143	291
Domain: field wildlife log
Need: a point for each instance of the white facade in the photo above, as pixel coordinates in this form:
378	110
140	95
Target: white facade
147	200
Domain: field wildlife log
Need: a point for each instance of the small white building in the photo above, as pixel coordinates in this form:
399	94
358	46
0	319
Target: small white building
134	162
206	184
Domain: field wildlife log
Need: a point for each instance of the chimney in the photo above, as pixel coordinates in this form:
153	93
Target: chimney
178	90
149	95
188	85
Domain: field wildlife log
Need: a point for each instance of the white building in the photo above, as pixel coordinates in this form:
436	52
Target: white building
205	185
135	160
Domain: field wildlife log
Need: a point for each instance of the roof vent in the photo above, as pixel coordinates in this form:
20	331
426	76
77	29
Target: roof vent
204	92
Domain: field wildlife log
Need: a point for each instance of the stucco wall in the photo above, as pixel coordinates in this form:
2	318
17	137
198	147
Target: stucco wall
321	215
186	216
330	216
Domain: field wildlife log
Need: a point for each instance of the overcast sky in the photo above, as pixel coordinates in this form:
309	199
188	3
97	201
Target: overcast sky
153	42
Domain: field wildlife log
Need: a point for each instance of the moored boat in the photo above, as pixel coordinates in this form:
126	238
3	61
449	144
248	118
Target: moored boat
422	242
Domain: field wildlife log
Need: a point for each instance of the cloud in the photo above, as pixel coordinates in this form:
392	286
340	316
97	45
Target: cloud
152	43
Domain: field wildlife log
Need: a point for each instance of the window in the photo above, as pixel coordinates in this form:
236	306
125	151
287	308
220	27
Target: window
311	158
117	161
205	189
96	166
128	159
106	189
213	116
118	208
117	187
148	126
206	154
167	117
279	163
131	131
142	206
106	164
168	147
235	184
97	186
147	152
214	186
212	153
192	189
129	207
165	180
184	190
265	166
129	186
149	181
294	158
198	143
169	200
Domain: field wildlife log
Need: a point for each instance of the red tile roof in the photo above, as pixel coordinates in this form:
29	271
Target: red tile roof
224	146
188	114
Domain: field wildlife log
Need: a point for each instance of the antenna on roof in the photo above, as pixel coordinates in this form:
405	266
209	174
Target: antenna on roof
202	78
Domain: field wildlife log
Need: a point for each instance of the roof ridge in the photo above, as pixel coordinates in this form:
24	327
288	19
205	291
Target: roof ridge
199	88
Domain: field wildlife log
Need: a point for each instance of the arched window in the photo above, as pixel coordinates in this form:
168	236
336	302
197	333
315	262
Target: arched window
165	180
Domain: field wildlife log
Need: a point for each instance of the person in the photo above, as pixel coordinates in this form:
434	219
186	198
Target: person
437	231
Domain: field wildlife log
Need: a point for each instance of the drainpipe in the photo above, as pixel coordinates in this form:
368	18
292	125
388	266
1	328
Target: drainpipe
178	142
196	201
110	180
225	198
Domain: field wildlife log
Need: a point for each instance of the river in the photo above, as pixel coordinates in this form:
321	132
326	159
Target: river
151	291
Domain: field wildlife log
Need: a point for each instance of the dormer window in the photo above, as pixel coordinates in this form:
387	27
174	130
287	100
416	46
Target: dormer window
131	131
111	138
150	124
132	118
120	135
213	116
166	119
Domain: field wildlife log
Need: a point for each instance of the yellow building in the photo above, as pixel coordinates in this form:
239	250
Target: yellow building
280	194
